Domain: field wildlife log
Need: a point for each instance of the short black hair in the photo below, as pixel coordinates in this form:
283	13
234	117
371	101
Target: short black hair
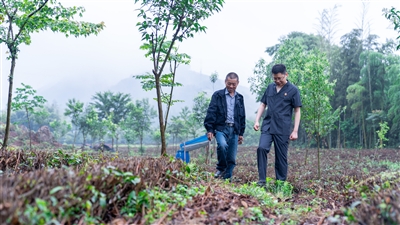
232	75
279	68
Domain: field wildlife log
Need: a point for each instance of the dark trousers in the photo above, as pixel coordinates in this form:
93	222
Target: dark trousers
281	143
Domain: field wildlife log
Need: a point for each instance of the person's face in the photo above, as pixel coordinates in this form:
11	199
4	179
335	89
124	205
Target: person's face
231	84
280	79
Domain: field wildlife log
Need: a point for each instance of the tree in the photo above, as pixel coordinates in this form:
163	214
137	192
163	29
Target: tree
345	72
261	76
199	110
44	116
159	19
374	80
27	100
356	96
74	110
20	18
111	106
41	117
328	23
60	129
127	130
317	110
96	127
88	123
394	16
138	121
112	128
107	102
177	129
214	78
393	96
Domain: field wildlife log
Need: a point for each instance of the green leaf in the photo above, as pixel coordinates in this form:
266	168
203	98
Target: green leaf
56	189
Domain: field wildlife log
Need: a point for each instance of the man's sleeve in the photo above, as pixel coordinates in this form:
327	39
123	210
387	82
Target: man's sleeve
210	119
264	97
243	120
296	99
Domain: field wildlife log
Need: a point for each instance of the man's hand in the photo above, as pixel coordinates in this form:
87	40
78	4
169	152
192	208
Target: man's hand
240	140
256	126
210	136
293	136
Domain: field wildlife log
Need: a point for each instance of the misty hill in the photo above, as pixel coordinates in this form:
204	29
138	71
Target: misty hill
193	83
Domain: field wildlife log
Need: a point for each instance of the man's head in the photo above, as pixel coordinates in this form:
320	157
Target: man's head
231	82
279	74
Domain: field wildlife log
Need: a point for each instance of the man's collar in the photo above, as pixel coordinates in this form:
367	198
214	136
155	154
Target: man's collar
227	92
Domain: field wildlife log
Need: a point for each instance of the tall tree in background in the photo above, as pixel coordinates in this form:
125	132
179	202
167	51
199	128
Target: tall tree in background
87	123
160	18
393	96
346	75
27	100
186	115
138	120
74	110
373	78
112	108
20	18
108	102
60	129
261	76
177	129
200	106
327	29
356	97
214	78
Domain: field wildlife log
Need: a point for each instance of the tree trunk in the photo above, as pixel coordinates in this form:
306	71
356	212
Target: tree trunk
116	143
363	126
319	164
370	99
30	130
338	136
344	134
75	134
308	144
160	116
84	140
10	89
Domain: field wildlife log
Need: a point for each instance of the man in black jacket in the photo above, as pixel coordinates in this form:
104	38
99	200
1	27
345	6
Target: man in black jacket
226	120
282	99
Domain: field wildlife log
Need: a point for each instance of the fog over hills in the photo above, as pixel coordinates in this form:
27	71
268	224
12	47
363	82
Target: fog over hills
192	82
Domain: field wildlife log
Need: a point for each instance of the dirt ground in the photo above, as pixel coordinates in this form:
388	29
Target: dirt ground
344	173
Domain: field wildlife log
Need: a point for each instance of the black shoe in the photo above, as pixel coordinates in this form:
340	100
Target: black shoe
261	184
219	174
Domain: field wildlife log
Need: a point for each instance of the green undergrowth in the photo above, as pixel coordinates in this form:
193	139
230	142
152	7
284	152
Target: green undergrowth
86	188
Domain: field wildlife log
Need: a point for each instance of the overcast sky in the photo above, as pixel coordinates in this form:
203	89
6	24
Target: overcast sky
236	39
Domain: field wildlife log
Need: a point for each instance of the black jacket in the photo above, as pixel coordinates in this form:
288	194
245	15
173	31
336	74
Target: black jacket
216	113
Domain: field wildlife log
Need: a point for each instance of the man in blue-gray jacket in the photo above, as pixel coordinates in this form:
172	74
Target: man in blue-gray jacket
226	120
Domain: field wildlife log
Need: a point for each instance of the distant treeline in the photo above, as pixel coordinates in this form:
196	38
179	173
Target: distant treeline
363	75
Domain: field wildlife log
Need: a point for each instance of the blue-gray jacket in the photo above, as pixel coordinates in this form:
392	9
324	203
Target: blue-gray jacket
216	113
